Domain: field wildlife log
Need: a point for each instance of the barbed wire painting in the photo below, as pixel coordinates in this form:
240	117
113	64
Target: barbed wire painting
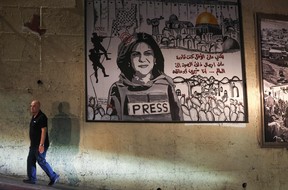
165	61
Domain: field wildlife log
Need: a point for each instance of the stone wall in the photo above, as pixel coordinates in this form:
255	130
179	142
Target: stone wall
47	64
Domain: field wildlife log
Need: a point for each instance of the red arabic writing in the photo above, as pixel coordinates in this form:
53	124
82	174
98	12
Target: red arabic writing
200	64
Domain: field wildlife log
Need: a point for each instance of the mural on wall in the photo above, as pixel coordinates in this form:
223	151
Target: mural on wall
165	61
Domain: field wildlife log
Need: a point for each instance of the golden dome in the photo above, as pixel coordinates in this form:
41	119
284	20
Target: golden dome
206	18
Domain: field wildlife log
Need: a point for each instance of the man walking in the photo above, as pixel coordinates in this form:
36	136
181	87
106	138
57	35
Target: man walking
39	143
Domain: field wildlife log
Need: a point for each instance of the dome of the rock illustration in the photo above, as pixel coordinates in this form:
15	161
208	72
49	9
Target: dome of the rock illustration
206	18
207	23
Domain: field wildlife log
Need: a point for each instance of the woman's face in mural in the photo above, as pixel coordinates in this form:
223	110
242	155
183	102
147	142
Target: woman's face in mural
142	59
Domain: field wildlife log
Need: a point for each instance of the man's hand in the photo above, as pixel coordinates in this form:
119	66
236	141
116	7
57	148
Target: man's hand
41	149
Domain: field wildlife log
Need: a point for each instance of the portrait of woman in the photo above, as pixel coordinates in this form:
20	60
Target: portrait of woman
143	91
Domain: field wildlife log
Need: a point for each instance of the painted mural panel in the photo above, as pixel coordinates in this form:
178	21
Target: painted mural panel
164	61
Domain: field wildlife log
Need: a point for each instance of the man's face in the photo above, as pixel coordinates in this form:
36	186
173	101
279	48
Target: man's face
34	107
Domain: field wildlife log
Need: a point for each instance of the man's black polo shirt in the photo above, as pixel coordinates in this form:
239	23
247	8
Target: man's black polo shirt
36	124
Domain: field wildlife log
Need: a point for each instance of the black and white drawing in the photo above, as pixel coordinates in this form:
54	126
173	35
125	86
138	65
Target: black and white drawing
272	35
165	61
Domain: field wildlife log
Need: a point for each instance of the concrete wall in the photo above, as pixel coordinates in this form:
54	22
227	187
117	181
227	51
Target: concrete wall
112	155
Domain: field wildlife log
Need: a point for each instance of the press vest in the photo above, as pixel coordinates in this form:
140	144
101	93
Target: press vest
149	104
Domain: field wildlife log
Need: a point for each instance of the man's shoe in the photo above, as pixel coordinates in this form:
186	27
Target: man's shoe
29	181
52	182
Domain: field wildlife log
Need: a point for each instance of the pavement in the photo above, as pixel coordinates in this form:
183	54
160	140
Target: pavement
16	183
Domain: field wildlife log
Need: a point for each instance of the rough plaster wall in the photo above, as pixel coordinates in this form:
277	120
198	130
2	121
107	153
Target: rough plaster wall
119	156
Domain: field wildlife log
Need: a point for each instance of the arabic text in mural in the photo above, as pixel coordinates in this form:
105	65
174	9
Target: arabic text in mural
197	63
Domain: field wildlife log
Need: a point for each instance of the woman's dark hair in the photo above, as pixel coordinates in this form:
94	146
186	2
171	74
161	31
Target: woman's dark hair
127	45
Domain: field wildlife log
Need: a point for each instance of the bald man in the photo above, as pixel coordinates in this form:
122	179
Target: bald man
39	143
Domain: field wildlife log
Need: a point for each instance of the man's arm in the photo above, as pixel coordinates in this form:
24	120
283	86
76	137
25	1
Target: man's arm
42	140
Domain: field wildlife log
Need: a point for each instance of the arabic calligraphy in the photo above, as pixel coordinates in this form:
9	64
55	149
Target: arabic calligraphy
199	63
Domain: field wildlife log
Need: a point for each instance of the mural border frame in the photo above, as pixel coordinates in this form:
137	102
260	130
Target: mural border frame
241	62
268	120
